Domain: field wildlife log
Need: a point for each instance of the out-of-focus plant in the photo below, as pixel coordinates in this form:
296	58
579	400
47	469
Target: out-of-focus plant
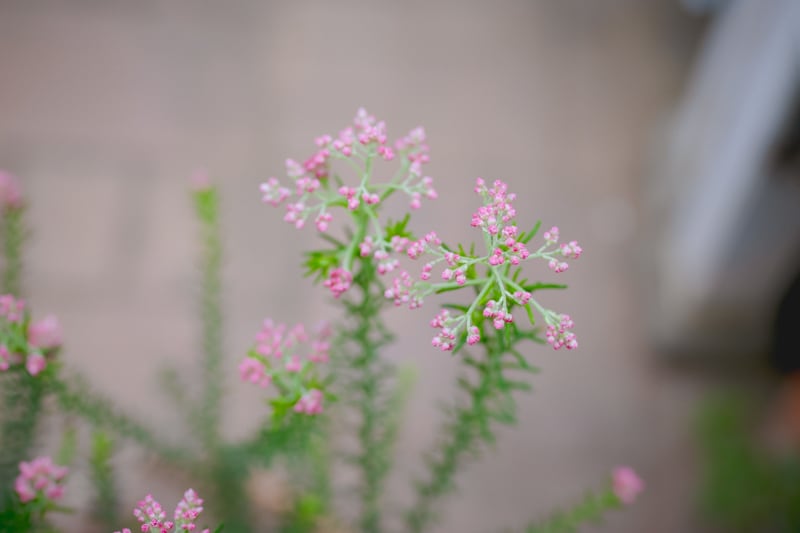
746	488
319	380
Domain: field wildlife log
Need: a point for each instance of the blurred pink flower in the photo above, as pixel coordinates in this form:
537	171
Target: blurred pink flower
310	403
40	476
199	180
45	333
10	191
35	363
626	484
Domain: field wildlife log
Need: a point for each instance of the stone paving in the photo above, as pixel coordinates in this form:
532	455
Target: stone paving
108	107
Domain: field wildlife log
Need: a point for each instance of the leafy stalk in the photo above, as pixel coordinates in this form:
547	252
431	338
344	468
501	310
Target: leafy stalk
590	509
367	382
13	242
106	499
207	210
488	400
78	399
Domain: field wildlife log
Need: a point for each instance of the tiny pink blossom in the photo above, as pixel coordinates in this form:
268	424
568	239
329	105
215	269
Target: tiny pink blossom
273	193
557	267
402	291
150	513
626	484
320	351
551	236
12	309
45	333
187	510
294	364
559	335
35	363
199	180
252	370
310	403
339	280
473	335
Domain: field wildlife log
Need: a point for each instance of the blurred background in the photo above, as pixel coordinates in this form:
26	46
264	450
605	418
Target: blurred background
662	135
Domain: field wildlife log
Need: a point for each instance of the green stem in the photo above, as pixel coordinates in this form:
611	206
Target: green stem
106	499
207	207
467	427
13	241
78	399
368	382
590	509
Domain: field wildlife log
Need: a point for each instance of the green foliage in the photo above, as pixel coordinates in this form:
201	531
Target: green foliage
22	393
589	510
76	397
207	209
13	234
22	402
398	229
14	517
367	381
319	262
468	425
304	517
745	488
105	506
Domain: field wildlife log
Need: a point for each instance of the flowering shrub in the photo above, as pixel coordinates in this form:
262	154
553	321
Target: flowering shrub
323	380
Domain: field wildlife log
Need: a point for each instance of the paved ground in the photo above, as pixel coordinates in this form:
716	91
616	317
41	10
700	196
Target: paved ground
107	108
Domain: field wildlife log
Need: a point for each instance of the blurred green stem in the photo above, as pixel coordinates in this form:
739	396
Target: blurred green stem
78	399
207	210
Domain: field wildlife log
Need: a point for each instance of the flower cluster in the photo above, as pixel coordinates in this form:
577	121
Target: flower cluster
24	342
312	196
626	484
40	478
499	289
154	519
287	357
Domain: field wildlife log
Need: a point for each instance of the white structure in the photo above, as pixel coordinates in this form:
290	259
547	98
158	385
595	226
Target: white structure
725	211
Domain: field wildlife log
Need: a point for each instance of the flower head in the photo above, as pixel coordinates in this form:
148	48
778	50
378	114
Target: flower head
496	273
361	147
40	478
154	519
287	358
